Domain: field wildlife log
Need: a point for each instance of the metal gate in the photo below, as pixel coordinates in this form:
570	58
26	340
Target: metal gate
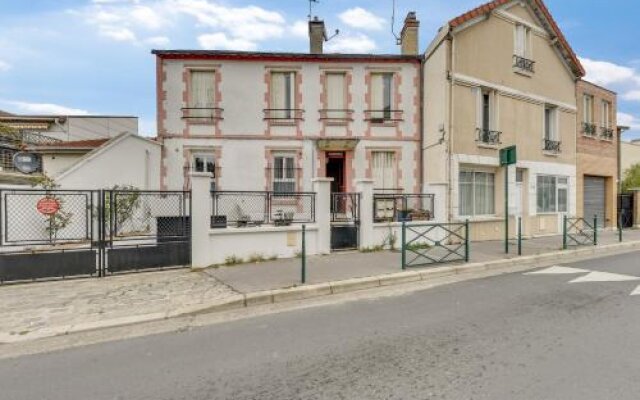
70	233
146	230
625	211
345	220
48	233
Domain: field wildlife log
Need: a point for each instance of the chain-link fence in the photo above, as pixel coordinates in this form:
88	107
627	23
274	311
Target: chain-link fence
257	208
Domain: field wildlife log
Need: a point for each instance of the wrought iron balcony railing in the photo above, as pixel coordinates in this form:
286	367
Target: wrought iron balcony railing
383	116
589	129
283	114
336	115
523	64
488	137
202	113
551	146
606	133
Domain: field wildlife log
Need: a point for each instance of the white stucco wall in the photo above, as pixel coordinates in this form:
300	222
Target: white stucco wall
128	160
54	164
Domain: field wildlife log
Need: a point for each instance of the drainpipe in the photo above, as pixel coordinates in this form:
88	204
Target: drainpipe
421	116
450	128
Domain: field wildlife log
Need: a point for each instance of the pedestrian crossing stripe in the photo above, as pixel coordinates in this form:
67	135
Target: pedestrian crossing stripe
636	292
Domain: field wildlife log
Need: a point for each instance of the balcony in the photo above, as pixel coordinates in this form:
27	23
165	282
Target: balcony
551	146
488	137
523	64
283	115
336	116
589	129
606	133
383	116
202	114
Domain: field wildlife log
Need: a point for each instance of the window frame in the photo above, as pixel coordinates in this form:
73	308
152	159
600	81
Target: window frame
387	94
288	111
557	186
588	115
526	41
394	166
287	174
334	112
550	126
492	203
204	155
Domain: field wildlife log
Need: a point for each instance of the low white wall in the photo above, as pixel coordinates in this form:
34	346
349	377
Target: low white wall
267	241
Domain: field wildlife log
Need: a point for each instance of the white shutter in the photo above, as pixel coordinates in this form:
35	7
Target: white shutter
520	39
202	93
336	95
478	96
277	94
377	95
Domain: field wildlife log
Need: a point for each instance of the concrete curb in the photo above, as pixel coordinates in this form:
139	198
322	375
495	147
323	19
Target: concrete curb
329	288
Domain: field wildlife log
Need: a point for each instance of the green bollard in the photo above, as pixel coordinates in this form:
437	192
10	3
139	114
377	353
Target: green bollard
304	254
520	236
564	232
595	230
466	241
403	249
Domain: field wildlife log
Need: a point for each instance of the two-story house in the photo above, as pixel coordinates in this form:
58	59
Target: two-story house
597	154
497	76
273	121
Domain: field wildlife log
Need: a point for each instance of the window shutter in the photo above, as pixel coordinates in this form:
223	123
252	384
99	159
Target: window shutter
336	94
277	94
478	96
377	95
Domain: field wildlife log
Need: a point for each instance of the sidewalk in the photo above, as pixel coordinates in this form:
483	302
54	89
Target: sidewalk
42	309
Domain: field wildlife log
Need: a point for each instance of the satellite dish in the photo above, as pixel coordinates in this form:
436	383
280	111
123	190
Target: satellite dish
27	163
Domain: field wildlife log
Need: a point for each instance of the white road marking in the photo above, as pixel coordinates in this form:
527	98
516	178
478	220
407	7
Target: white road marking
556	270
636	292
597	276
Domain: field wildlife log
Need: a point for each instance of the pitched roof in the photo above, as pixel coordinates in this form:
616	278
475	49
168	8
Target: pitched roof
75	144
553	26
279	56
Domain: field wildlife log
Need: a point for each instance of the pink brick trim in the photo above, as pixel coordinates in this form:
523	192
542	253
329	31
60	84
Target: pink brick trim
161	96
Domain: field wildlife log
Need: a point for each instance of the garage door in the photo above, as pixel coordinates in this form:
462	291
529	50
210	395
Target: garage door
594	198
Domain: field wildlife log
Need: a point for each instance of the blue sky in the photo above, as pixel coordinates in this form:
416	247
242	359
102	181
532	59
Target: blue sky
93	56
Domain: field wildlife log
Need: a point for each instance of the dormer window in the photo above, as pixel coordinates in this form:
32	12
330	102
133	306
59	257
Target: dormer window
522	54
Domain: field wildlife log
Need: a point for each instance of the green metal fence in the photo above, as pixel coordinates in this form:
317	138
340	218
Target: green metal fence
427	244
579	232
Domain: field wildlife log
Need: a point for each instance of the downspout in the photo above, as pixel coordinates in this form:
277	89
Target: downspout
450	128
421	116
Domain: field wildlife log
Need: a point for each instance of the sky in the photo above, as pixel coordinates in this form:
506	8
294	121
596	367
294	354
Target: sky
93	56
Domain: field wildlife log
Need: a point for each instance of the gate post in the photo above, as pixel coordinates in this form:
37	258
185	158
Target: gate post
564	232
595	230
365	188
322	188
200	219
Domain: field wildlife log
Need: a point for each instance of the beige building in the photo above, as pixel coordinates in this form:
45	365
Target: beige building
629	155
597	154
502	75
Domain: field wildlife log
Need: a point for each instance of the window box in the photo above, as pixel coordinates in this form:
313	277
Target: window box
589	129
606	133
551	146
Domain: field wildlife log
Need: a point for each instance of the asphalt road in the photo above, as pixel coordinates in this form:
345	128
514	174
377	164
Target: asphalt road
508	337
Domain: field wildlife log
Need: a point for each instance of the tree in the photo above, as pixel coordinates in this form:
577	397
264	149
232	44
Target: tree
631	178
60	219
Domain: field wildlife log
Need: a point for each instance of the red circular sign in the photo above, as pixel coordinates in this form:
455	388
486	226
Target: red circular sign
48	205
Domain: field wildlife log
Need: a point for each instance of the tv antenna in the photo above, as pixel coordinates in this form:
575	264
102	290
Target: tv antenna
393	23
311	2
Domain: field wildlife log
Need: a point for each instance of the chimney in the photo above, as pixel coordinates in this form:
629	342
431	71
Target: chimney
409	34
317	35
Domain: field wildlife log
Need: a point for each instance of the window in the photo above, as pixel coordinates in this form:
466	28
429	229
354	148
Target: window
486	111
588	109
381	96
477	193
336	96
552	193
201	94
384	170
550	123
284	177
283	95
522	41
606	114
203	162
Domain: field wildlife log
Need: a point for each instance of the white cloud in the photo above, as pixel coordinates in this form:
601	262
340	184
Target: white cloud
362	19
300	29
148	17
4	66
633	95
356	43
118	34
629	120
220	41
607	73
43	108
160	41
250	23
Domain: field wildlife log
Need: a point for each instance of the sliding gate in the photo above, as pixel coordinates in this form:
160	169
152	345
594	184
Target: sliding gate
70	233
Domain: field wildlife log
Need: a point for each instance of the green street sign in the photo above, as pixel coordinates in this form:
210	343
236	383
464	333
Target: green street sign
508	156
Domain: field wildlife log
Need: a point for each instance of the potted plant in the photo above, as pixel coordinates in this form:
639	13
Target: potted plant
404	215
